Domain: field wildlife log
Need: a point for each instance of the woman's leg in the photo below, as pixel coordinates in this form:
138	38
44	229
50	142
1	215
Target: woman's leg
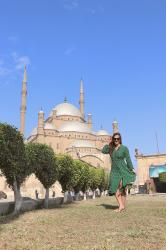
124	199
118	196
121	198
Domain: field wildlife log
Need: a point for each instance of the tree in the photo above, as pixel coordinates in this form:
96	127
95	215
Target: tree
77	176
81	176
103	186
106	180
85	177
101	174
13	161
162	177
95	179
42	159
65	169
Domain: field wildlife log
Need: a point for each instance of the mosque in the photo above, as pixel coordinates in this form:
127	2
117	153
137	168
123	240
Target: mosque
67	131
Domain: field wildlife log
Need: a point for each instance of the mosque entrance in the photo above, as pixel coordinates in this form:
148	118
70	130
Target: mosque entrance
160	186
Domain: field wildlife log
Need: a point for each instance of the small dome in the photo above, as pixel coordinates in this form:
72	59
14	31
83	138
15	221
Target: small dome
102	132
49	126
67	109
82	144
75	126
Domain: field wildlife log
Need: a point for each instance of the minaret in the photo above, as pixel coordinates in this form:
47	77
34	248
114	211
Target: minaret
115	126
23	102
89	120
40	128
81	102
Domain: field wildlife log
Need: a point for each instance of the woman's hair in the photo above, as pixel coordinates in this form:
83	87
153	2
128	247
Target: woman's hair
112	144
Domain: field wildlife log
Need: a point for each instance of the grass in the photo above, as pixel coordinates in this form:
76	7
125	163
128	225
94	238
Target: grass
90	225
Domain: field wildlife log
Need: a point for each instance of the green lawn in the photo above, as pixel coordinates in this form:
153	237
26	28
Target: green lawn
90	225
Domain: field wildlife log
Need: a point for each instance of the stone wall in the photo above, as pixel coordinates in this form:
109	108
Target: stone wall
143	164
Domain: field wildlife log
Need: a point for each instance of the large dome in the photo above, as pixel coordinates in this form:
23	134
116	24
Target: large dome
66	109
74	126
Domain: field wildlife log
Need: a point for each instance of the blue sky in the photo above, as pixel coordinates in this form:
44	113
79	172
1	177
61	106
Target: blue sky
117	46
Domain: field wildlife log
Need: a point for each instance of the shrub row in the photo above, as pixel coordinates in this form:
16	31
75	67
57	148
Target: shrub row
19	160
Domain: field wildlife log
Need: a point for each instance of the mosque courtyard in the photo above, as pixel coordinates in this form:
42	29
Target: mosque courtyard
91	225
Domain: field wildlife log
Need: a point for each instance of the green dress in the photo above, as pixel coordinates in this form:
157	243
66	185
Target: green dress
121	169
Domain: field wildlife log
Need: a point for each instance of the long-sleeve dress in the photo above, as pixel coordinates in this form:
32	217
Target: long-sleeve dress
121	169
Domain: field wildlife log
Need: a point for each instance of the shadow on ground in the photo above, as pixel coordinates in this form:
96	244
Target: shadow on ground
6	219
108	206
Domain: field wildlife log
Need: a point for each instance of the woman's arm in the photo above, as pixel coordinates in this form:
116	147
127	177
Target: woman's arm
106	149
128	159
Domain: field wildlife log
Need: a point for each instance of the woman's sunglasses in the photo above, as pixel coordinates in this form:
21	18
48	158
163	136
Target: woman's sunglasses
117	139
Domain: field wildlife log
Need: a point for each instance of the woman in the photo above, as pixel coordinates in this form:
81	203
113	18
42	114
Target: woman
122	171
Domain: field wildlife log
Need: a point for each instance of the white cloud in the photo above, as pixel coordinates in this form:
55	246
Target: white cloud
92	11
11	67
97	9
20	61
69	51
71	4
13	38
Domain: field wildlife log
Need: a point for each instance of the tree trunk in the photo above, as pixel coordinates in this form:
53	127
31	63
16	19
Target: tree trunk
94	195
77	196
85	196
46	200
17	198
67	197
